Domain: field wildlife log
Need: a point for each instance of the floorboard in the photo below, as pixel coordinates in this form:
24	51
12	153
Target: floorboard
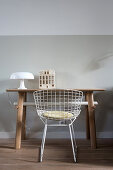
57	154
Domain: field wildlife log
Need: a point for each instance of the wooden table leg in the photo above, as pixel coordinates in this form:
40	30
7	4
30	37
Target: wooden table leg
24	119
19	120
91	109
87	120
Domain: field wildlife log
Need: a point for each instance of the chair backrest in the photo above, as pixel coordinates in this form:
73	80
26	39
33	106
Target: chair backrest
58	100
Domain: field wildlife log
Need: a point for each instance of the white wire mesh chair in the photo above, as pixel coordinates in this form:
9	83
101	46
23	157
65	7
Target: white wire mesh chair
62	106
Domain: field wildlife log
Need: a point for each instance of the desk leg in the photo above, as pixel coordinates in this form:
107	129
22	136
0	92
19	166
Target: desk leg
19	120
87	120
91	109
24	119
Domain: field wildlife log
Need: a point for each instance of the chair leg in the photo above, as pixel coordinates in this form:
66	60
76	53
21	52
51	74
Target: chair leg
73	148
74	138
43	143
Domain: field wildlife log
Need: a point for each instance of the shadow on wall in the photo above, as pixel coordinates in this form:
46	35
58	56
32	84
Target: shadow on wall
104	111
103	114
97	62
8	111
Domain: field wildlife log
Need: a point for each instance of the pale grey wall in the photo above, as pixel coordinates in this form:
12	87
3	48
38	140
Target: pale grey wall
79	62
56	17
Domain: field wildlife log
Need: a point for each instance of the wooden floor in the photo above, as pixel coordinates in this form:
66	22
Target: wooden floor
57	155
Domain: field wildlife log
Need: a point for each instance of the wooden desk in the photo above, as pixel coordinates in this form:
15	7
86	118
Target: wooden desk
21	115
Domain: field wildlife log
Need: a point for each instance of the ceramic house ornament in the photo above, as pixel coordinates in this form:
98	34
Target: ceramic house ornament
47	79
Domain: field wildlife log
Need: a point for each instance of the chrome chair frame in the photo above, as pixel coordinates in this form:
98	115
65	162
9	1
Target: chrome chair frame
63	101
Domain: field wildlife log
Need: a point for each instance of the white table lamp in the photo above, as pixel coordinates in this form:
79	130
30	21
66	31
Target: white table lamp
21	76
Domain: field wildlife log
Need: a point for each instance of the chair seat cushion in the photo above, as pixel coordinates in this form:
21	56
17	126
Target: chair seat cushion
58	115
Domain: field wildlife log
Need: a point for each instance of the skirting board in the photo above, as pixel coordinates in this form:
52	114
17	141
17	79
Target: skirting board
55	135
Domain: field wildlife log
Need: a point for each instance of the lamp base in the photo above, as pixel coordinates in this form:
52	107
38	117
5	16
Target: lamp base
22	85
22	88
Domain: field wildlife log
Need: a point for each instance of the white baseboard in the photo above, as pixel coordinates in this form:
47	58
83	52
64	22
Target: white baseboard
54	135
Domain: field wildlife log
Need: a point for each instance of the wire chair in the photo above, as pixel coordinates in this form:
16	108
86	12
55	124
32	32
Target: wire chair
62	106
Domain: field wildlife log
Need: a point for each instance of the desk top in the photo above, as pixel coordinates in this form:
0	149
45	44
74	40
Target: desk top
32	90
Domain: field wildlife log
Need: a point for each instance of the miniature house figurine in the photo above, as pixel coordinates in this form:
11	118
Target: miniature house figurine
47	79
